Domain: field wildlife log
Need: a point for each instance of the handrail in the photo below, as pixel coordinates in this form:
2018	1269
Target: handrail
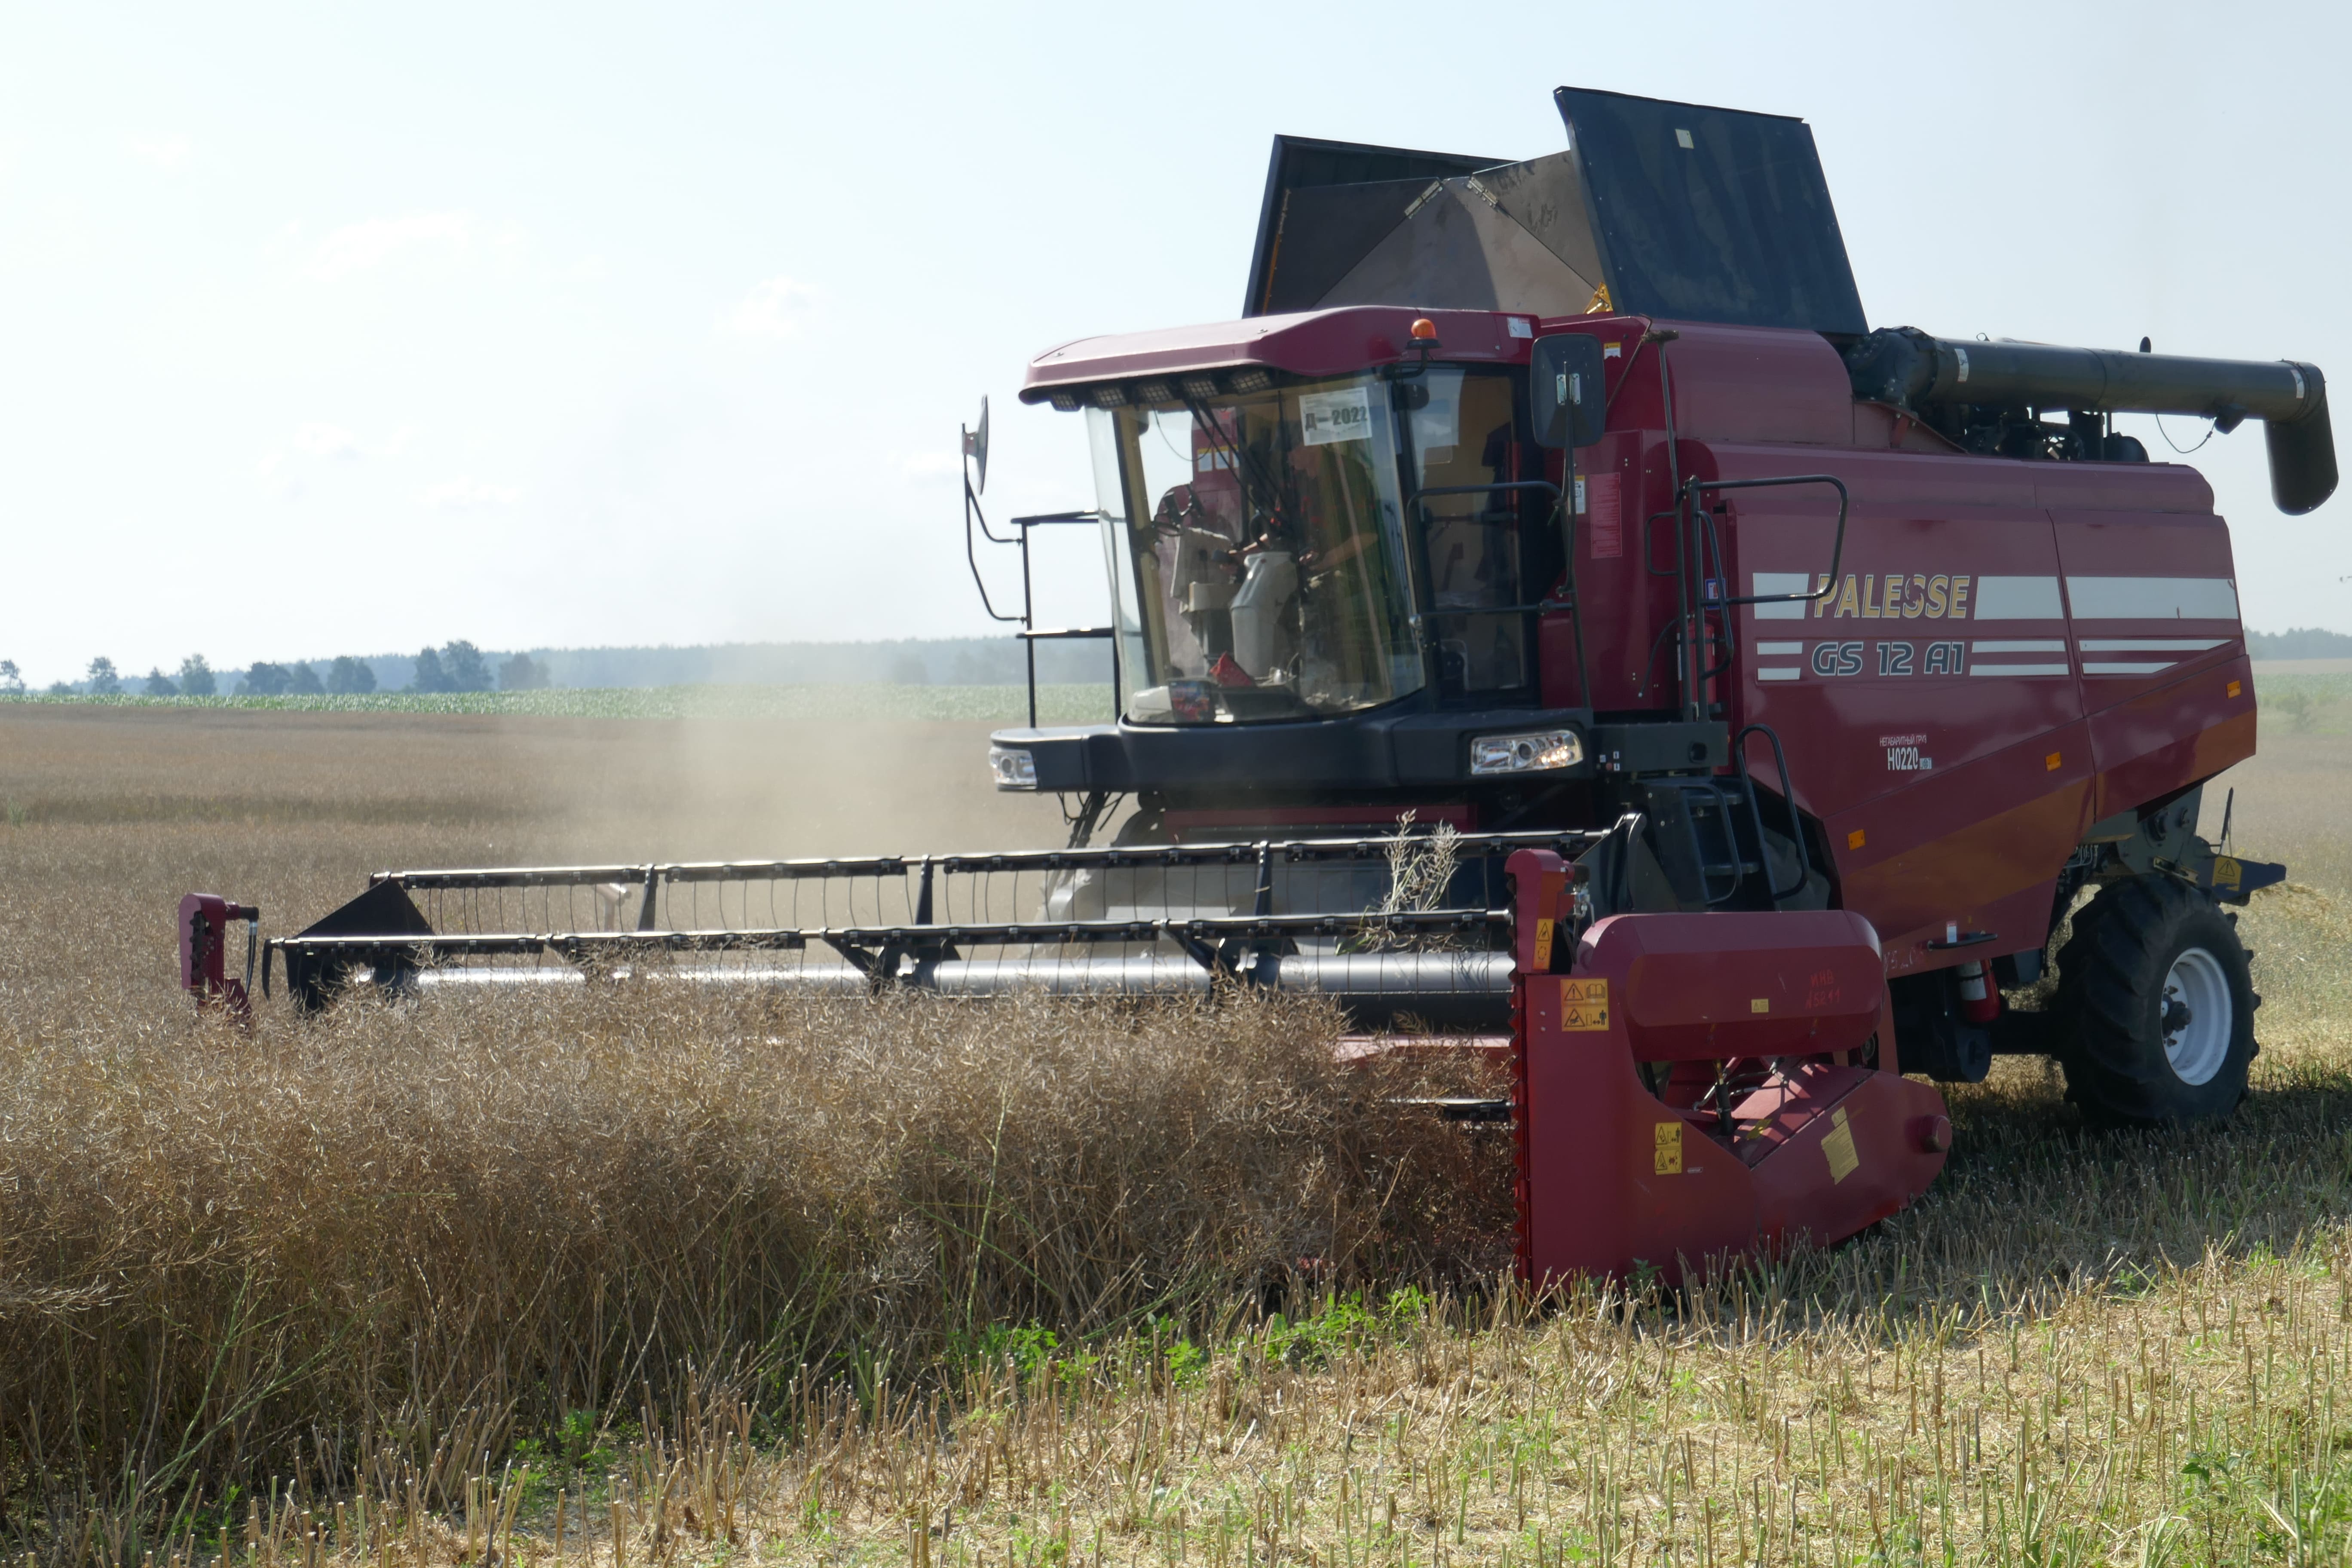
1837	548
1691	556
1029	634
971	555
1788	799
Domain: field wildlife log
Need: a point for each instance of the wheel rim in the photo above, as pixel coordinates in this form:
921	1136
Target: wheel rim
2197	1016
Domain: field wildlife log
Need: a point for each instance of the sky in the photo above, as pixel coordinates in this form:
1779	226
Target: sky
328	329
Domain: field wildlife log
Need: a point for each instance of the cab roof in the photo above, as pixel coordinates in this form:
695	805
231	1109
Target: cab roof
1338	342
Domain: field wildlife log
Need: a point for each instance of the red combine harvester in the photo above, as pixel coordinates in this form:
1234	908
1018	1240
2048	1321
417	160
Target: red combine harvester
1757	692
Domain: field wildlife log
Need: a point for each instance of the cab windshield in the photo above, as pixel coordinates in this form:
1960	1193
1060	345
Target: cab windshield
1258	555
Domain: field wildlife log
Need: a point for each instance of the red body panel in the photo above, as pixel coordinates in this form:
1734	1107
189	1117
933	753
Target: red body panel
1613	1175
203	950
2013	648
2026	646
1782	984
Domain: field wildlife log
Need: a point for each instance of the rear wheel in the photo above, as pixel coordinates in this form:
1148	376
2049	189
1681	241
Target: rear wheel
2155	1011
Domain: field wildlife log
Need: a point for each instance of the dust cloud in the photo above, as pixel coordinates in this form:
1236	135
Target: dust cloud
2292	806
111	814
742	789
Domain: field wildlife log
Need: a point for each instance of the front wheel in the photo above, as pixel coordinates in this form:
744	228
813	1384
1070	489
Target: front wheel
2156	1010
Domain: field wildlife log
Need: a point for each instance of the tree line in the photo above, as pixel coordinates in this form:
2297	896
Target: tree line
999	660
456	666
952	661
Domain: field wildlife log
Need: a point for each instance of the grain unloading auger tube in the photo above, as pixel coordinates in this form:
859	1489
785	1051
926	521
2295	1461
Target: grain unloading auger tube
1683	1087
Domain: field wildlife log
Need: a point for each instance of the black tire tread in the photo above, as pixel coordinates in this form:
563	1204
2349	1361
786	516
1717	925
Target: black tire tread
2103	1005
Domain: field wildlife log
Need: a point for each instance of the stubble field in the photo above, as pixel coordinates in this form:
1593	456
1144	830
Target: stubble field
633	1279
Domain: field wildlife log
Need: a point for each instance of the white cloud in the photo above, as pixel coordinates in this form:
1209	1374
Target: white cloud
169	153
329	442
930	467
466	495
357	246
277	479
323	440
774	308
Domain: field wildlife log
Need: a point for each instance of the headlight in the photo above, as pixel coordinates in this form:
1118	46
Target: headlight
1538	750
1013	766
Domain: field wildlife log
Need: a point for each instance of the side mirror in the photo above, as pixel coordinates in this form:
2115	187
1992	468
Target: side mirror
1565	384
975	448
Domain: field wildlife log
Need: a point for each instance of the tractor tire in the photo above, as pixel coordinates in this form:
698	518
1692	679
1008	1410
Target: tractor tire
2154	1009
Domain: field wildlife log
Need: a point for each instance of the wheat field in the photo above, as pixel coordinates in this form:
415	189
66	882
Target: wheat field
625	1280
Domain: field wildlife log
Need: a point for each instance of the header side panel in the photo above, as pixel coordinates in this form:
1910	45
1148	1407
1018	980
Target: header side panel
1711	215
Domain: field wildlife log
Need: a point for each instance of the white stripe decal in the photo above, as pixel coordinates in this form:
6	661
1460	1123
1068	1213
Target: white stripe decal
1769	649
2024	645
2153	598
1975	669
1782	582
2017	599
2150	644
1782	673
2125	669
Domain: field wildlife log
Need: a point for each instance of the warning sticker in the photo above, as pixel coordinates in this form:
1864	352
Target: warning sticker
1605	519
1839	1147
1668	1158
1543	942
1346	415
1584	1003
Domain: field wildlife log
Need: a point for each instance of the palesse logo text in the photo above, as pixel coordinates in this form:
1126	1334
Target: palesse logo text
1915	596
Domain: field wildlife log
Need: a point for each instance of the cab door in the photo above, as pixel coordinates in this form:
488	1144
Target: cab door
1481	564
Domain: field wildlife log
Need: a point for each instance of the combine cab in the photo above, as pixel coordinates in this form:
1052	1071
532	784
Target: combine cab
1756	692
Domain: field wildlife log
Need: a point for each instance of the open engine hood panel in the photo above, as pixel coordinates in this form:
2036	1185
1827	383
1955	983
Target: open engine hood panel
1675	210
